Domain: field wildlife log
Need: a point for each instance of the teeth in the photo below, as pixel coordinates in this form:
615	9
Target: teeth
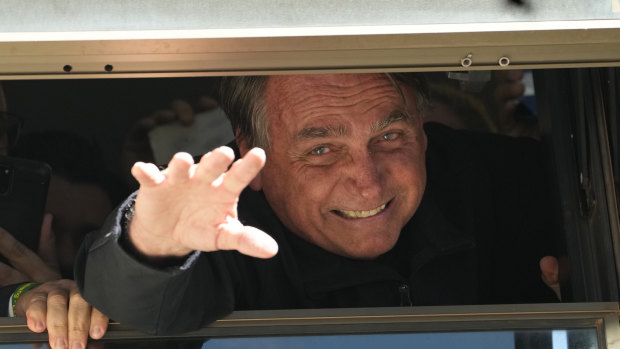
361	214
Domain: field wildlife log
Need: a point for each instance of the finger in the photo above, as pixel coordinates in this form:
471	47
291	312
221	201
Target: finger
10	248
147	174
33	305
57	317
250	241
550	270
180	168
142	127
550	273
98	324
244	170
184	111
10	276
47	247
207	103
214	163
78	319
161	116
25	260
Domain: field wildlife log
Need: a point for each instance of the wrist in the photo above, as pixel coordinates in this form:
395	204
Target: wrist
152	245
139	243
18	293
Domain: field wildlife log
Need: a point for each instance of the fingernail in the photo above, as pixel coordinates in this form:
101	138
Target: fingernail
77	345
61	343
39	326
96	332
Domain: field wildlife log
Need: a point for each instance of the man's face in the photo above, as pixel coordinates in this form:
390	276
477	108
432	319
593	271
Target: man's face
346	167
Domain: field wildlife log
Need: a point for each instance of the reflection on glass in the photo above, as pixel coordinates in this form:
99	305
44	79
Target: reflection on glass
556	339
524	339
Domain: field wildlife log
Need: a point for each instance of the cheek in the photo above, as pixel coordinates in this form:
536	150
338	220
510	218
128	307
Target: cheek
295	188
297	194
406	169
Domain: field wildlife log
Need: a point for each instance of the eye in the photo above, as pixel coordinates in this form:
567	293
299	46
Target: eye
320	150
390	136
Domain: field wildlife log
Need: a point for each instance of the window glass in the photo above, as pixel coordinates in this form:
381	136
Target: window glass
540	339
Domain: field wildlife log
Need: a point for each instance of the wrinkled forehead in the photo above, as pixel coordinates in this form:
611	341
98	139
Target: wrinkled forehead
338	85
323	94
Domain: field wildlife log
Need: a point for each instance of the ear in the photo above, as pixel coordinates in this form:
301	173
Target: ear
256	183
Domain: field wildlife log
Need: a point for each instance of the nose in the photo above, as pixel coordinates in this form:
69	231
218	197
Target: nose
362	175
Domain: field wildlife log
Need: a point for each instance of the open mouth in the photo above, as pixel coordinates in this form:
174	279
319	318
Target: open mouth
361	214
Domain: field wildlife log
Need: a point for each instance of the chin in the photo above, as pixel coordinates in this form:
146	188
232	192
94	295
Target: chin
371	251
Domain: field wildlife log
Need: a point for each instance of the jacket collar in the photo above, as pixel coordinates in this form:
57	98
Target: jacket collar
426	236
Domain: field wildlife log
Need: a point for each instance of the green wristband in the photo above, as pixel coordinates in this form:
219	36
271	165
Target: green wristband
20	292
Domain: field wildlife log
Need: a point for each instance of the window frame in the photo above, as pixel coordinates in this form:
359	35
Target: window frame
601	316
237	51
212	52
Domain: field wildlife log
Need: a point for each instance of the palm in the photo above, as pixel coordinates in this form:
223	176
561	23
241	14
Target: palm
194	206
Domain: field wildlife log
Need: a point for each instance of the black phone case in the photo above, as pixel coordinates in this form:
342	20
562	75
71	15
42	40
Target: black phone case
23	192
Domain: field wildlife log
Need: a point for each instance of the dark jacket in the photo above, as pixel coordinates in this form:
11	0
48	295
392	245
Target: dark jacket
476	238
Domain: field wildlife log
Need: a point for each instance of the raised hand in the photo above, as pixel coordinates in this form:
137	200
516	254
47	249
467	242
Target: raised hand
194	206
136	146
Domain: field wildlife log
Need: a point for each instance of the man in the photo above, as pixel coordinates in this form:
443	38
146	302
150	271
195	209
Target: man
350	205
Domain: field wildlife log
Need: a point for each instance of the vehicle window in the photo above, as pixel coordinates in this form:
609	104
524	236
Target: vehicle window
520	143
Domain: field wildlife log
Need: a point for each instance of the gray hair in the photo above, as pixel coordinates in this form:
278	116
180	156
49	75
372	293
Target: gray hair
243	100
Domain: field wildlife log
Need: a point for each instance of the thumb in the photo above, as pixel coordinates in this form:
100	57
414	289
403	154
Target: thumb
257	243
47	243
550	273
246	239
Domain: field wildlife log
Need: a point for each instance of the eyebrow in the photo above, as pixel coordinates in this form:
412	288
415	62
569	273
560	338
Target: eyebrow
314	132
321	132
395	116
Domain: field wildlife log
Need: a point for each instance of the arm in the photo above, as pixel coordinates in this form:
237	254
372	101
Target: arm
184	209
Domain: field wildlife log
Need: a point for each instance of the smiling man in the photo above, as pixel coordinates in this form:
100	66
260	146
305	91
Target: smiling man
351	203
346	165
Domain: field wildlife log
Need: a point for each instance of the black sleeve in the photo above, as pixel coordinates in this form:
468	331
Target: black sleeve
157	301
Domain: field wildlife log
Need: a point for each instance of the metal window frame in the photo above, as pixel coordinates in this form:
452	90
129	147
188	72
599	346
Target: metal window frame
601	316
432	47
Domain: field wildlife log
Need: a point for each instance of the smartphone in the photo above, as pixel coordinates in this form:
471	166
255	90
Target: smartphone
23	192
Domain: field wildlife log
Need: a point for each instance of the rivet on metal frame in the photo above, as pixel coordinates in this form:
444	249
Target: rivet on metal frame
466	61
504	61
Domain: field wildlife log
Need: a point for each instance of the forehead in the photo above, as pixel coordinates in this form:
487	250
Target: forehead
301	98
